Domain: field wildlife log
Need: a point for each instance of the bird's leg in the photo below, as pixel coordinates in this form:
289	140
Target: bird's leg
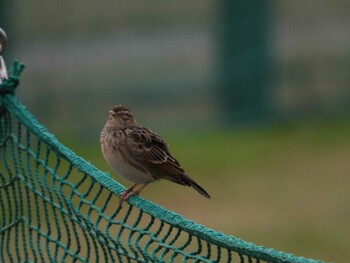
127	193
141	188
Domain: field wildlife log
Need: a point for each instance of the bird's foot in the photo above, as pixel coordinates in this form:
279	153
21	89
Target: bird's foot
127	193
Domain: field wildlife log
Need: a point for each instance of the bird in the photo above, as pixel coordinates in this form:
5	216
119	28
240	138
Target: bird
138	154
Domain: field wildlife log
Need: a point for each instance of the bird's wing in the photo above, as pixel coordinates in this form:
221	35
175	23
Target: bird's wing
151	151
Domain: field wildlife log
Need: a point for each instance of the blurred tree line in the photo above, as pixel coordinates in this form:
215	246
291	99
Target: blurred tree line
183	63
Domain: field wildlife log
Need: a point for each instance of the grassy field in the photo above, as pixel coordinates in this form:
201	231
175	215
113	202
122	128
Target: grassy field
285	187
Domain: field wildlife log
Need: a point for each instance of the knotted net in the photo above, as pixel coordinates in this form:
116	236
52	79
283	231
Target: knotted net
57	207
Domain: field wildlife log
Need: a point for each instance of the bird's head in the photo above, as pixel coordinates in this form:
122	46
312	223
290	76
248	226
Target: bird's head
120	115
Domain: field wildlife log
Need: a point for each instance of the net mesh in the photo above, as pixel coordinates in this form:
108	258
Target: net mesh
56	207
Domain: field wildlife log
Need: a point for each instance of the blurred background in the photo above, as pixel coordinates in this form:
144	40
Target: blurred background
252	97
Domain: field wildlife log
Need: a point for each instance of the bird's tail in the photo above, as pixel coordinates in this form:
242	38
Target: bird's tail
196	186
182	178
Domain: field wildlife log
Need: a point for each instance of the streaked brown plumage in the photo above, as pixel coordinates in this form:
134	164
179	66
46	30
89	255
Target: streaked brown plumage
138	154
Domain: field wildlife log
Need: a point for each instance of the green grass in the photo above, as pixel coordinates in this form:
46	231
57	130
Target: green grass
285	187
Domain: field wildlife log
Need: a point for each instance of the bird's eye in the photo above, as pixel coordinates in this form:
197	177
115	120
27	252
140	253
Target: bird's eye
126	115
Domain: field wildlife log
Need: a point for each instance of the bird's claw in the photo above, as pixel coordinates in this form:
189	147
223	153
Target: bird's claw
126	195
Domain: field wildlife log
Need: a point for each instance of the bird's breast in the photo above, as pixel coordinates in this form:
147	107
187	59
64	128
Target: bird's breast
126	170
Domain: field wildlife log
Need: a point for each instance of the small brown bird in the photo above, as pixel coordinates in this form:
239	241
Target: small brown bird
139	155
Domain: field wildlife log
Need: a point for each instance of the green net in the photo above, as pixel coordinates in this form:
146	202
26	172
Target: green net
57	207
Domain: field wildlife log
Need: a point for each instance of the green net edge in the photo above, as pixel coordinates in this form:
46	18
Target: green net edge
14	106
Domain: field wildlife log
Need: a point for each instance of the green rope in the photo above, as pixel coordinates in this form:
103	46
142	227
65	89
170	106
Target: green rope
57	207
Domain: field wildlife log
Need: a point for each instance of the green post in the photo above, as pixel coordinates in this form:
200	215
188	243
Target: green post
244	62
